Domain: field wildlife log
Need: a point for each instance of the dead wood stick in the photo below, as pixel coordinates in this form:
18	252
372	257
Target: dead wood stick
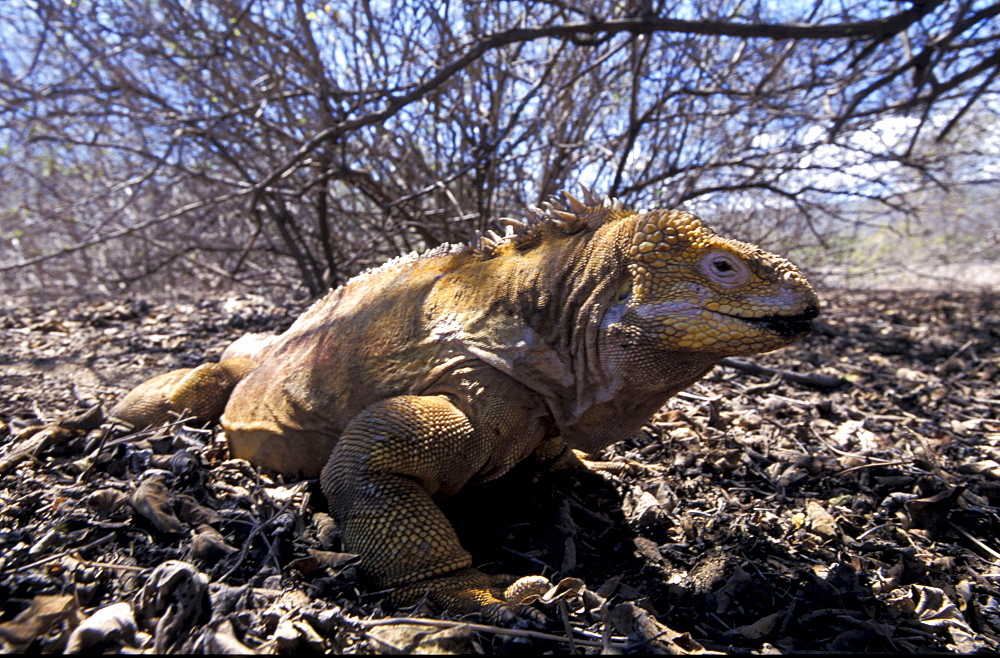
821	382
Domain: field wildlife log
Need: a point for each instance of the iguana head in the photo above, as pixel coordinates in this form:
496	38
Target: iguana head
681	288
691	290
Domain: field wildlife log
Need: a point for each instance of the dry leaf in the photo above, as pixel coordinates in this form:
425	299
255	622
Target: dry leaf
987	467
936	610
931	513
851	435
173	599
222	640
208	543
421	639
43	615
106	501
152	500
113	623
759	628
335	562
737	583
653	636
820	522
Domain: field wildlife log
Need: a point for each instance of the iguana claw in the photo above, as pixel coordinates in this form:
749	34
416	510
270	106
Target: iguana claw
499	599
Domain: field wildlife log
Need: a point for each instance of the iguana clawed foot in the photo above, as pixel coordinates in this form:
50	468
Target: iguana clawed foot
577	460
499	599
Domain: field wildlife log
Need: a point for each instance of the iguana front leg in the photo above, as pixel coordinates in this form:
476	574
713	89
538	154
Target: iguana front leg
381	478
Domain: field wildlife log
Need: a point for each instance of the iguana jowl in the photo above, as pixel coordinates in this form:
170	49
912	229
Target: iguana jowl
435	371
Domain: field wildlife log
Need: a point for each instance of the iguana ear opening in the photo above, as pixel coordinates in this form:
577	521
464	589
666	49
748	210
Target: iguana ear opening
625	290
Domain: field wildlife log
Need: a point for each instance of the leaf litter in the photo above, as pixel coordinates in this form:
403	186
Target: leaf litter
841	495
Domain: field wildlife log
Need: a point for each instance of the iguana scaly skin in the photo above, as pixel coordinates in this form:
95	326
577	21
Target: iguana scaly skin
436	371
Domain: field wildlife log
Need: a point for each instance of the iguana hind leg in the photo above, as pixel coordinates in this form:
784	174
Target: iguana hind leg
201	392
389	463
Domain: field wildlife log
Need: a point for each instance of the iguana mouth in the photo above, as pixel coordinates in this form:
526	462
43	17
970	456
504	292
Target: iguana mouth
787	326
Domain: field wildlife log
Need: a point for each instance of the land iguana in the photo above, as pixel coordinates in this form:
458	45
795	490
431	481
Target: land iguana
436	371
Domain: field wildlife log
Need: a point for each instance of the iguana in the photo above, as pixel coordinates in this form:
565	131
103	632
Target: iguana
436	371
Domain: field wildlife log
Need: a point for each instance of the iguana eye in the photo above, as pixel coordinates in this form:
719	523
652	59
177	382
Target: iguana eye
724	269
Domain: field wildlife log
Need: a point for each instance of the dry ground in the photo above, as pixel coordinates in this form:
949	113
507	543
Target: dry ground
773	515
